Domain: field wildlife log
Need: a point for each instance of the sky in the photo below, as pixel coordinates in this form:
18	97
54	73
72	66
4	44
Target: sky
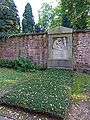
35	4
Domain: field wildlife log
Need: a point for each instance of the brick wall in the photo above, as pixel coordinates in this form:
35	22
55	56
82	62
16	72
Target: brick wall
81	49
35	47
32	46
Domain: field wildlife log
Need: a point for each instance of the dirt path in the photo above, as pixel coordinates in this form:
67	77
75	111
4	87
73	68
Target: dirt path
79	111
17	114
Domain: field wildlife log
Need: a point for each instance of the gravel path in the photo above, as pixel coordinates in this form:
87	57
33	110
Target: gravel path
4	118
17	114
79	111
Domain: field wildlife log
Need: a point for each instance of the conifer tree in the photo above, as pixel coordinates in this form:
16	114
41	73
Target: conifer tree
28	20
9	18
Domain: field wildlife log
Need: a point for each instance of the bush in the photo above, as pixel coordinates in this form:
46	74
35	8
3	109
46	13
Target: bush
3	35
20	64
24	64
7	63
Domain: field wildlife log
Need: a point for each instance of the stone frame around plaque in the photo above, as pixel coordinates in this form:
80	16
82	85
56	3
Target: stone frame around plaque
60	52
52	38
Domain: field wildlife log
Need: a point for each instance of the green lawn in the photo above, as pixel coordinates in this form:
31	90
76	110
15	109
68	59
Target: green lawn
46	91
81	84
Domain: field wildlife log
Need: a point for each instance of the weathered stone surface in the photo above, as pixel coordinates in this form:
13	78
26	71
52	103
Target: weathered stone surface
31	46
81	49
60	29
63	64
60	48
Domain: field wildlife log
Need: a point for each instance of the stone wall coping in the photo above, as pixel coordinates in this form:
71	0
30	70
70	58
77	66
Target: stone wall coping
60	33
60	29
81	31
26	34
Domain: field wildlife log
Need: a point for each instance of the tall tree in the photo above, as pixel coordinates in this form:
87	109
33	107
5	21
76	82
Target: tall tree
56	17
9	18
38	29
65	21
49	17
80	17
44	16
28	20
76	12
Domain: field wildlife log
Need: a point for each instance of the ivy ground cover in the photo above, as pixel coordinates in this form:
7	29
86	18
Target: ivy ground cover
46	91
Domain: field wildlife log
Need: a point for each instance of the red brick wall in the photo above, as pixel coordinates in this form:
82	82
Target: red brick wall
81	49
32	46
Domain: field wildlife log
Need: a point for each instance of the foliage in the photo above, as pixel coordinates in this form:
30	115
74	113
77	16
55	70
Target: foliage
28	20
88	22
65	21
38	29
24	64
44	16
81	84
56	17
7	63
49	17
9	19
76	13
20	64
46	91
68	13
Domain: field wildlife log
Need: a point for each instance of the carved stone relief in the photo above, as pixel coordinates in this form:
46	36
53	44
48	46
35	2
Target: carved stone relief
59	48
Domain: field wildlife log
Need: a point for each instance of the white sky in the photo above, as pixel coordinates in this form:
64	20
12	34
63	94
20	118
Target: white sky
35	4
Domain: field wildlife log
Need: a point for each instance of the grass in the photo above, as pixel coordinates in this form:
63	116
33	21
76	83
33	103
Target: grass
46	91
81	84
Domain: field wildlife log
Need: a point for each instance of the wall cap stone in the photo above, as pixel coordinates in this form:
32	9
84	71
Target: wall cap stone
26	34
81	31
60	29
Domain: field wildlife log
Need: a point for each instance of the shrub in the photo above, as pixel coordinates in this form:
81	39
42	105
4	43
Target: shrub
7	63
20	64
23	64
